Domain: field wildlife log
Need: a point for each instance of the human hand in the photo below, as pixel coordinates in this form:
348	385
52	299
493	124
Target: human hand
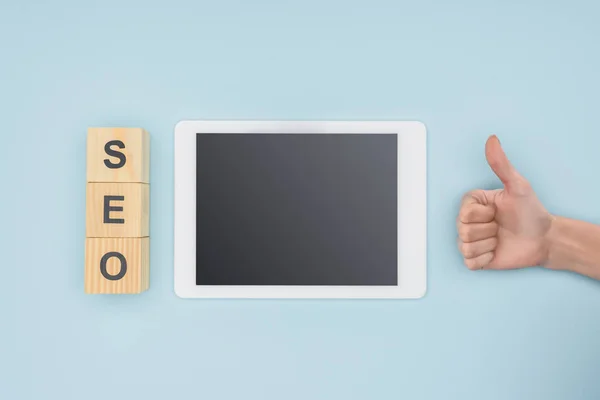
503	228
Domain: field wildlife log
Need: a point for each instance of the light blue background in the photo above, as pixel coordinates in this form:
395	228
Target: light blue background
526	70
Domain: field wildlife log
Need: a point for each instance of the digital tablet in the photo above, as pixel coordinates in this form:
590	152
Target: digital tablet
296	209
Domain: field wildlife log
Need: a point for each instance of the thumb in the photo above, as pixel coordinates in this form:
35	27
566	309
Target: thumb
500	164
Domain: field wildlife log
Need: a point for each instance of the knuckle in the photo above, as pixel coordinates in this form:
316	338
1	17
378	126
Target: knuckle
475	195
468	250
466	197
465	232
461	214
471	264
466	213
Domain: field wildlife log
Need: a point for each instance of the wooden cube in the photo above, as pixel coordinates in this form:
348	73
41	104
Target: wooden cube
117	265
118	155
117	210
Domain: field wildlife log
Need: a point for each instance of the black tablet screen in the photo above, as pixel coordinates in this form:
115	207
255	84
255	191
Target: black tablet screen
296	209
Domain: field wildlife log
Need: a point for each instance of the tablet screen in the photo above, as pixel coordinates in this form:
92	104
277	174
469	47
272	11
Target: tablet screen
296	209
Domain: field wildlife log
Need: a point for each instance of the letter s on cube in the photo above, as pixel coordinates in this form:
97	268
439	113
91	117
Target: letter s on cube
118	155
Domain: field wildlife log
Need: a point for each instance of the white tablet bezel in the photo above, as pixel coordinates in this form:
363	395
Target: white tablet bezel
412	209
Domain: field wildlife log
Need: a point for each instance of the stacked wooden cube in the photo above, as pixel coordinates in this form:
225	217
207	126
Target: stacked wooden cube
117	246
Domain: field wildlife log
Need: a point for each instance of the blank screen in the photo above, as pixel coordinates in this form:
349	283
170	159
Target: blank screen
296	209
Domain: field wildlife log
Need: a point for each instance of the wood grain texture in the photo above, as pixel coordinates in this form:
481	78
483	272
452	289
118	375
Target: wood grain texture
136	252
135	214
132	143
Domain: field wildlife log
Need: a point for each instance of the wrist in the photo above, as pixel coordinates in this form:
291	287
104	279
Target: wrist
550	242
573	246
554	245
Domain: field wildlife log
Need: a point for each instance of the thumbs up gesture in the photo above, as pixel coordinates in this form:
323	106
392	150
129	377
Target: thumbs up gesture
503	228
